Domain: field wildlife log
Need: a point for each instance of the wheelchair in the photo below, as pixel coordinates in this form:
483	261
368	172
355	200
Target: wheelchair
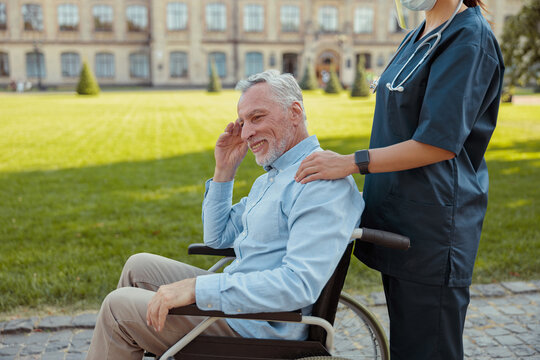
337	320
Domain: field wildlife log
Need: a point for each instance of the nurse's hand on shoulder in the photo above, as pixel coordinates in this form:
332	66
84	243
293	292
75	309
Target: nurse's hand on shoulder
325	165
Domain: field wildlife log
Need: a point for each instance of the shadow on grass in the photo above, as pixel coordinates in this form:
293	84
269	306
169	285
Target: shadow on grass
66	233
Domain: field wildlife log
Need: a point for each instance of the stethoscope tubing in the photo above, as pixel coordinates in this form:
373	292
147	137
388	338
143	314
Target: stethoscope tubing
400	88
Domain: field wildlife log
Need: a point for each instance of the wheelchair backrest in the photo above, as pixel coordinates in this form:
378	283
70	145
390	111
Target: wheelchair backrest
326	305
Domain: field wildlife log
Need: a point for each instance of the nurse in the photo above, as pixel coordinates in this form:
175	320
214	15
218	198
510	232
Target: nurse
426	176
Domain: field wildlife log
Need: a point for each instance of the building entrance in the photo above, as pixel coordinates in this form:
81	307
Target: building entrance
325	61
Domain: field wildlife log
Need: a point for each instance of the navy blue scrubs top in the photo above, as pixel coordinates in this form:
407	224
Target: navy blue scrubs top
451	101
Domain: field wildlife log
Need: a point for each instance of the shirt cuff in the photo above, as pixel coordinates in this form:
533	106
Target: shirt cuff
207	292
218	190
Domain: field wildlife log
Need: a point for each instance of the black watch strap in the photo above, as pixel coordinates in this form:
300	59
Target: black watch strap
361	158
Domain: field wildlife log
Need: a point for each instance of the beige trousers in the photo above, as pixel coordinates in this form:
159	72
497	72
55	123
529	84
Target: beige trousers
121	331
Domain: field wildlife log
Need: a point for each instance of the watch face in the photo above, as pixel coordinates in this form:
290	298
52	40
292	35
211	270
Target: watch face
361	157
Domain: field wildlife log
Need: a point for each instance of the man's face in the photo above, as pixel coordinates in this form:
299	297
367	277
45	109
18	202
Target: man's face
266	126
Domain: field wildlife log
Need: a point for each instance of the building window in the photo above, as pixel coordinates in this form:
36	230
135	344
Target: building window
254	63
68	17
4	64
328	18
176	16
219	60
216	18
367	59
137	18
103	17
35	65
32	17
139	66
3	17
178	64
363	20
253	18
104	65
71	64
290	18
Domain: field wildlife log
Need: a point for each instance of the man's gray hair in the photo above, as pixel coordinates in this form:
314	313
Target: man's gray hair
284	87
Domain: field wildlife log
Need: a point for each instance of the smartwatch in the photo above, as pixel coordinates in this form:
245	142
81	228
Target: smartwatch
361	158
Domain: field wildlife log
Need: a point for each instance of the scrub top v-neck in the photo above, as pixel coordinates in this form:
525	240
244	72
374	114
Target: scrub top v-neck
451	102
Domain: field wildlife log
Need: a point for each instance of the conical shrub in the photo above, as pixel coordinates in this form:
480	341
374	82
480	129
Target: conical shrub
360	86
333	86
87	82
309	80
214	85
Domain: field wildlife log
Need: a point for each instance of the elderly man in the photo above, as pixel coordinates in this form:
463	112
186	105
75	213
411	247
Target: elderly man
288	237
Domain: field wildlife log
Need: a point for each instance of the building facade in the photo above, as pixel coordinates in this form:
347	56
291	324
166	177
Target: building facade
173	42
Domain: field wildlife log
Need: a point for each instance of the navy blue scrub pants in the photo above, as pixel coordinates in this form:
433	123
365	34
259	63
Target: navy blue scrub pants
426	322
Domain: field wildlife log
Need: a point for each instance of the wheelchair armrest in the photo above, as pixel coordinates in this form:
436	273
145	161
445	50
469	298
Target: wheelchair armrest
201	249
193	310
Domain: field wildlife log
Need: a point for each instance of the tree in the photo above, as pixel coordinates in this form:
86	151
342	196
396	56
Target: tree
520	44
215	82
360	86
87	82
309	80
333	86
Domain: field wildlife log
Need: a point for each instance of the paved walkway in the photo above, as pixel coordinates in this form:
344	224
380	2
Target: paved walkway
503	322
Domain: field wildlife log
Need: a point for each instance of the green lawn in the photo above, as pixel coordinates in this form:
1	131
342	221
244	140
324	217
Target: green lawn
86	182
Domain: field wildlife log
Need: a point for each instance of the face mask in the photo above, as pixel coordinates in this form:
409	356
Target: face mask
418	5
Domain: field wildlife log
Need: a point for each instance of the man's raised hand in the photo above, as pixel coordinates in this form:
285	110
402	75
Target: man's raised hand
229	152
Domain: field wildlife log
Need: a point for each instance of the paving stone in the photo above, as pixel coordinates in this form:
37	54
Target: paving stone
534	297
56	346
37	338
497	331
522	350
78	356
508	340
529	339
473	333
478	321
499	352
484	341
85	335
55	323
19	325
378	298
32	349
10	350
511	310
53	356
501	319
520	287
490	290
16	339
516	329
489	310
62	335
85	321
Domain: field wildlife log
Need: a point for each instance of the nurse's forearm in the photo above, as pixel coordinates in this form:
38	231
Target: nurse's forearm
406	155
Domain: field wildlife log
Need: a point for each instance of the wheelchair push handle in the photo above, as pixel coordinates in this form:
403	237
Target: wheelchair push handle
383	238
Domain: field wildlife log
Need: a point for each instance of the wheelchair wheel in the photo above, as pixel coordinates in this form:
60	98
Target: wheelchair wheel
358	333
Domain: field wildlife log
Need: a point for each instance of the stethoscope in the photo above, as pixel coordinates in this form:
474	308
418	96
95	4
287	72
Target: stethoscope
426	42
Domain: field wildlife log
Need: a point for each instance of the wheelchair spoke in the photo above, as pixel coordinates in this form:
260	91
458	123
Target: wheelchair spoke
357	334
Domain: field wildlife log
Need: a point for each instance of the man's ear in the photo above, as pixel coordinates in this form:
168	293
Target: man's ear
297	115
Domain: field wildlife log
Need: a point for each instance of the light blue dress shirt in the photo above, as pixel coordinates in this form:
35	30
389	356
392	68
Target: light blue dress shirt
288	239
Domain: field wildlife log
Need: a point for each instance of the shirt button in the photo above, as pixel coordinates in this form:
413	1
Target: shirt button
239	310
244	233
271	179
209	306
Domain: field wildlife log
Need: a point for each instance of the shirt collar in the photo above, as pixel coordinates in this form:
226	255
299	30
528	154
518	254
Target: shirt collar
299	151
